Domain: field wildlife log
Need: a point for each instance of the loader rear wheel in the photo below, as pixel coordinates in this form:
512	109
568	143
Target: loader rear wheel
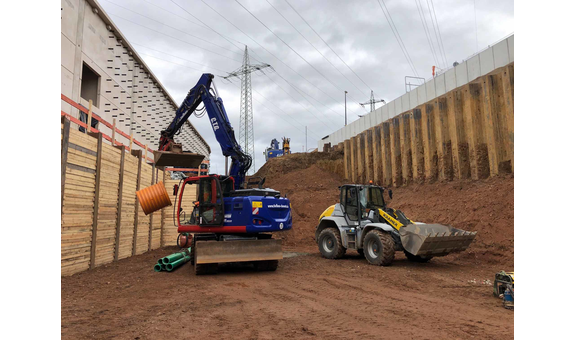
330	245
417	258
379	248
266	266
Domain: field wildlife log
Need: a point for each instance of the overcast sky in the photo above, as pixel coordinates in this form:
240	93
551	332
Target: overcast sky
304	88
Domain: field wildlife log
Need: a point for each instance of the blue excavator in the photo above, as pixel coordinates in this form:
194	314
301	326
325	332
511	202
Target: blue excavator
229	221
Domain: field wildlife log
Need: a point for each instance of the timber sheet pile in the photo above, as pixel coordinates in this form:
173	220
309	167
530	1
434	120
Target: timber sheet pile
101	219
78	202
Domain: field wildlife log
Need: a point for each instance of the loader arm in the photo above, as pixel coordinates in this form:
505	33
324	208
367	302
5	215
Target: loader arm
392	221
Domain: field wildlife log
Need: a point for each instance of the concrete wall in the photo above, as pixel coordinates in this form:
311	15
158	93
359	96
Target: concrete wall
467	132
494	57
128	90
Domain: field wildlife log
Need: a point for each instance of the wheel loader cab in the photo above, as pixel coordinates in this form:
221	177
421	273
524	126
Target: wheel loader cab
359	200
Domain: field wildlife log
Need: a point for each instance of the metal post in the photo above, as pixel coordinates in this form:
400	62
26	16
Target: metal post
345	108
227	170
306	139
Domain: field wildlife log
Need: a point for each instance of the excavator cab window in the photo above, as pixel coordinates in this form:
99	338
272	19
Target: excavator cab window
210	198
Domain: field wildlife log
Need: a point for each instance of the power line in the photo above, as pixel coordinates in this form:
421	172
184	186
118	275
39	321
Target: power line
266	75
228	39
426	30
267	100
171	55
318	51
436	34
211	28
325	42
321	74
176	29
438	30
280	60
397	36
298	101
185	42
440	41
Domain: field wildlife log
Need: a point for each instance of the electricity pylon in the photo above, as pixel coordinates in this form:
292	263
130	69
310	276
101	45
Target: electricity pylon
246	109
372	102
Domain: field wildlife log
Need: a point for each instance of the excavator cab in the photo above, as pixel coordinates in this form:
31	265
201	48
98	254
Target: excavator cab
202	197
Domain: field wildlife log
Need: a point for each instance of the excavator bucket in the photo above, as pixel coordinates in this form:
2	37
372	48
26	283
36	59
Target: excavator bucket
434	239
238	251
178	159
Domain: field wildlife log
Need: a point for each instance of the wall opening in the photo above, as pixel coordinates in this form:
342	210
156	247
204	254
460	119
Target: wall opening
90	87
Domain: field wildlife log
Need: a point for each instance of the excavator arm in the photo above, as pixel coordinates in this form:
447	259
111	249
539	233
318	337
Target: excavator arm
223	130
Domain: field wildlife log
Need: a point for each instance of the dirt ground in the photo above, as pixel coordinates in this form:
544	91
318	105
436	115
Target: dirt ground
308	296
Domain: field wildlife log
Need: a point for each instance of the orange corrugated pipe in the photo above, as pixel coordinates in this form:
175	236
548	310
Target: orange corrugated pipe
153	198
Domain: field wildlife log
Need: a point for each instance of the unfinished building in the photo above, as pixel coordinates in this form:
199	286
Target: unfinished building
100	65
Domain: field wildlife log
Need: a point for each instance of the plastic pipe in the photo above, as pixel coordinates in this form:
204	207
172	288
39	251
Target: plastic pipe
176	264
176	256
158	267
173	257
153	198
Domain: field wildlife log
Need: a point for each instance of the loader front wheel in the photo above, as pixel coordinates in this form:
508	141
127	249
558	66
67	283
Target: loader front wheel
330	245
379	248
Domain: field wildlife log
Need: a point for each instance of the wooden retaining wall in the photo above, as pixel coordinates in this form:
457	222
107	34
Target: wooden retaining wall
466	133
102	220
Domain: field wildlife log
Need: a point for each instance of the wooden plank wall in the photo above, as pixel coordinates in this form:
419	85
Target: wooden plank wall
99	184
128	205
108	204
143	230
465	134
78	201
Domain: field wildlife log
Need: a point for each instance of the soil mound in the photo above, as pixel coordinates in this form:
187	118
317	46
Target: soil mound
485	206
298	161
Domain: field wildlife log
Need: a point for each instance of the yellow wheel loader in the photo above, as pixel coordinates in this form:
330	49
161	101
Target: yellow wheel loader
362	221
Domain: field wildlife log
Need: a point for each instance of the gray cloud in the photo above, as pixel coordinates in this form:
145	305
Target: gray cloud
356	30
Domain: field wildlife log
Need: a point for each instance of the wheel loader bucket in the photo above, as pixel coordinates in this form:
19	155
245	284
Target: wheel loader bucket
434	239
238	251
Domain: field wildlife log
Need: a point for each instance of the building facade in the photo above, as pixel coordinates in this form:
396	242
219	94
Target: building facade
99	64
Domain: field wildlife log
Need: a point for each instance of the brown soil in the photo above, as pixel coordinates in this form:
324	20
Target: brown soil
308	296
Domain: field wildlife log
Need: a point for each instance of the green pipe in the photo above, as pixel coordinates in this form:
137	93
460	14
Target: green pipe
173	257
163	266
158	267
176	256
177	263
160	261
